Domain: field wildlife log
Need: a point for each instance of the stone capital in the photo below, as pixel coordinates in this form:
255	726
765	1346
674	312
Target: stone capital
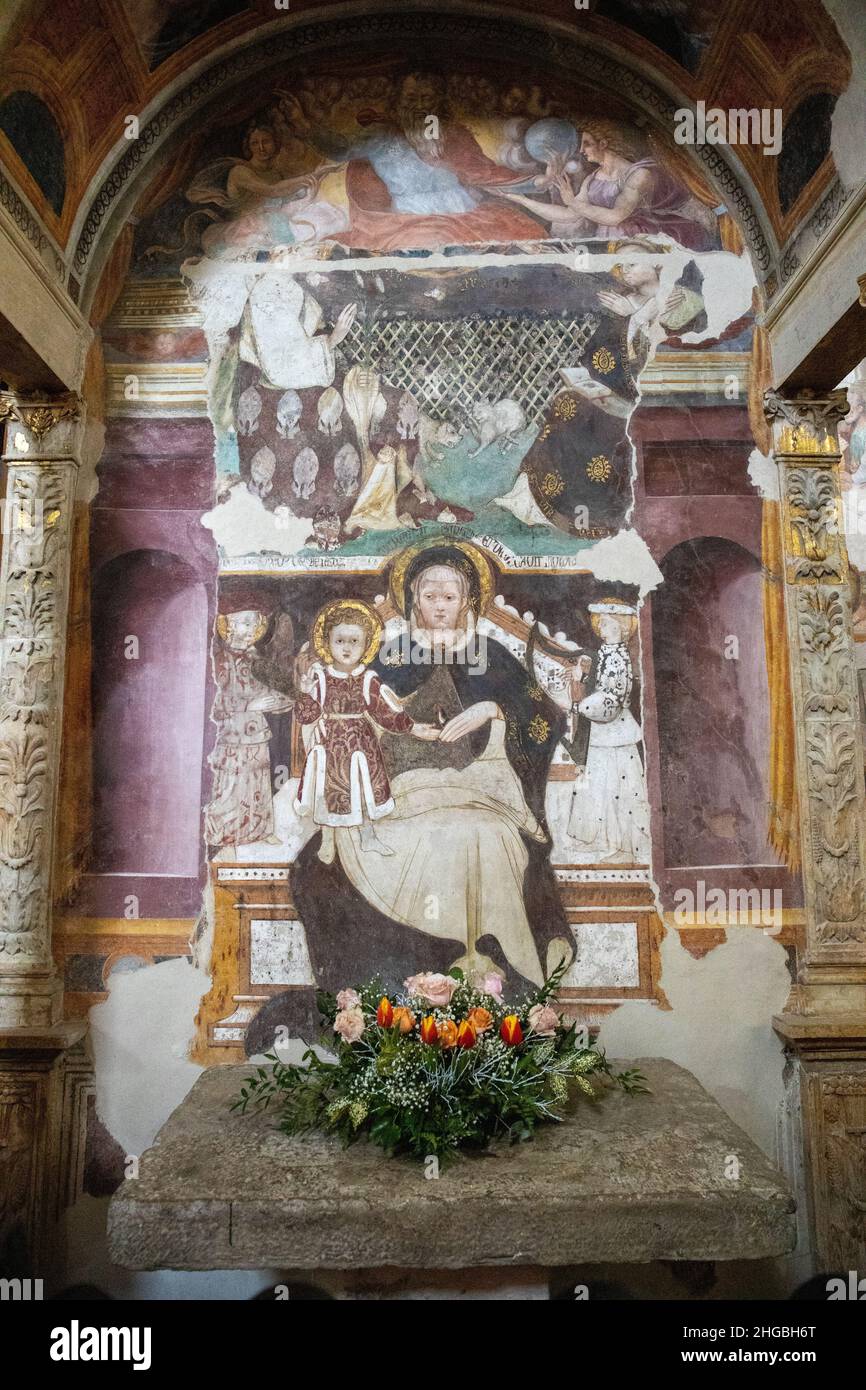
806	423
40	426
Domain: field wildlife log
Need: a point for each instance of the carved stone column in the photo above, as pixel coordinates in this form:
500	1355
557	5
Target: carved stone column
824	1023
40	451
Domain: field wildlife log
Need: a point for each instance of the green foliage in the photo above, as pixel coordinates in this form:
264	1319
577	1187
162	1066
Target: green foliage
416	1098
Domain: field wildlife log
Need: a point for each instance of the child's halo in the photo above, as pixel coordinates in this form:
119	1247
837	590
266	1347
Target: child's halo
347	608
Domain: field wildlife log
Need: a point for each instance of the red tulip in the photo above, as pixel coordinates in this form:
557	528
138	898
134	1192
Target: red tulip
466	1034
429	1031
511	1032
385	1012
447	1032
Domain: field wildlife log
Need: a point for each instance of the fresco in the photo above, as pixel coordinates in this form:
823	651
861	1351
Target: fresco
430	731
419	317
162	27
31	129
350	406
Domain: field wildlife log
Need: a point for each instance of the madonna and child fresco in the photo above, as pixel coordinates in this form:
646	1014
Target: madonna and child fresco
429	304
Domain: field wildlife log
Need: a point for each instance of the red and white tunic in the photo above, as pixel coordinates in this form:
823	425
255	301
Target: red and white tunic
344	775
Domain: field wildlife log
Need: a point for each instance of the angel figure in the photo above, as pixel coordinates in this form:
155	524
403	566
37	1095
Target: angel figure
265	206
241	811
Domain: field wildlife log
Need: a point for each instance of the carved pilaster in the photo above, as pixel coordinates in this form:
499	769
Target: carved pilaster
41	441
824	1025
829	742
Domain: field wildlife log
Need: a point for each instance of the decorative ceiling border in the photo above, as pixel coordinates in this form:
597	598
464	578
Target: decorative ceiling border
29	225
580	56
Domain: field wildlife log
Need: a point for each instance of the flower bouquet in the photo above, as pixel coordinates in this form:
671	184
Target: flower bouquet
442	1065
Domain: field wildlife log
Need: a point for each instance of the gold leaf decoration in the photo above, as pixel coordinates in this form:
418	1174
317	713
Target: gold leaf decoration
552	484
598	469
603	360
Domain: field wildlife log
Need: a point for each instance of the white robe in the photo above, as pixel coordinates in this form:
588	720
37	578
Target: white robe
609	810
458	860
279	334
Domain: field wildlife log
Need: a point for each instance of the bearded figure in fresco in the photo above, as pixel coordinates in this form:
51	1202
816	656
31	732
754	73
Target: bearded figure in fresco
417	177
467	877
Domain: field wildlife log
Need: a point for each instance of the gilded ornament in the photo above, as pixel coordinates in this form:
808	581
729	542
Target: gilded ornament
552	484
603	360
598	469
367	616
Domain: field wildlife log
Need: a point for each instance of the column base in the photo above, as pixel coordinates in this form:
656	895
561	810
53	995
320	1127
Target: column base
830	1049
31	999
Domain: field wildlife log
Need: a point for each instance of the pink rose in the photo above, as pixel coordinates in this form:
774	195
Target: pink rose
543	1020
348	999
491	983
349	1023
436	989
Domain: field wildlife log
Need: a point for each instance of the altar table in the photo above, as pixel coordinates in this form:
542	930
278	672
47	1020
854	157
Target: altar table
631	1178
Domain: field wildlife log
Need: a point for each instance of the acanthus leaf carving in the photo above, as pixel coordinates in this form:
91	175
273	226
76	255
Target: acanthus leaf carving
827	686
816	414
39	416
23	776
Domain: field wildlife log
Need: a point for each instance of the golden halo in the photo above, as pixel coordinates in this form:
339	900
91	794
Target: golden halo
222	625
356	605
477	560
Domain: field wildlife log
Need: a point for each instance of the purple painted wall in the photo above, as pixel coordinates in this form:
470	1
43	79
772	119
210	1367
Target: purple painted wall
149	712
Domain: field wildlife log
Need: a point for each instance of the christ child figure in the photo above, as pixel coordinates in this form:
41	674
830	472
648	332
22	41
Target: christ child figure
345	782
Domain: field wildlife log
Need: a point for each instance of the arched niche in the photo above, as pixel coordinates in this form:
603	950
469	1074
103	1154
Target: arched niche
150	636
712	706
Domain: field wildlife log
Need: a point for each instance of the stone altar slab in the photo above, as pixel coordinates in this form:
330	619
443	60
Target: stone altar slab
632	1178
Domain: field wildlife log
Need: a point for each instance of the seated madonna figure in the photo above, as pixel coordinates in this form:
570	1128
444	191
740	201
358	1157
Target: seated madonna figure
467	879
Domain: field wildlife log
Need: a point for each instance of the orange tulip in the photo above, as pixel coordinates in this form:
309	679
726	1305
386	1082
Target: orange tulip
385	1012
480	1019
466	1034
511	1031
429	1031
447	1032
404	1019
